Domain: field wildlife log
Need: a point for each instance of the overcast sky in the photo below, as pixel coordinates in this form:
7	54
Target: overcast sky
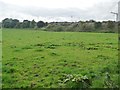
58	10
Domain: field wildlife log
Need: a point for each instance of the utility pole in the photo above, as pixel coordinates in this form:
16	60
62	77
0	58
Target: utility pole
116	15
119	11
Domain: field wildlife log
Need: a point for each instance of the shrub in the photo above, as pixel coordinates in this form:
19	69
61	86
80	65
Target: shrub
76	81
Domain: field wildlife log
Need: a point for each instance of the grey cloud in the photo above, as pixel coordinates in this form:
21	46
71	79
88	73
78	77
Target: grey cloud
100	11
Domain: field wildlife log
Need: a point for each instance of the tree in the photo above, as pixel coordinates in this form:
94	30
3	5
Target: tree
87	27
18	25
14	23
9	23
110	24
32	24
98	25
40	24
26	24
6	23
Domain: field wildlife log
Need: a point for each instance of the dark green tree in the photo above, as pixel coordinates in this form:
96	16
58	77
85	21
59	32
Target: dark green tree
40	24
9	23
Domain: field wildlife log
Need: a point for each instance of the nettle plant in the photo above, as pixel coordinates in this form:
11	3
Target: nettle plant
75	81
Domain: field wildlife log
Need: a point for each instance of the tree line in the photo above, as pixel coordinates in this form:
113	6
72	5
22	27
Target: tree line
81	26
15	23
84	26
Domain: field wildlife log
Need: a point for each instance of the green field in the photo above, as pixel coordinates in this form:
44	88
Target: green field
33	58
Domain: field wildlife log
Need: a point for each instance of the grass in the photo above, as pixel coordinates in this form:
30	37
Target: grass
34	58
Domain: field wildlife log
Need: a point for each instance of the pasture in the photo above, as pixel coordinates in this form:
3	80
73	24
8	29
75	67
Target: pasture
39	59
